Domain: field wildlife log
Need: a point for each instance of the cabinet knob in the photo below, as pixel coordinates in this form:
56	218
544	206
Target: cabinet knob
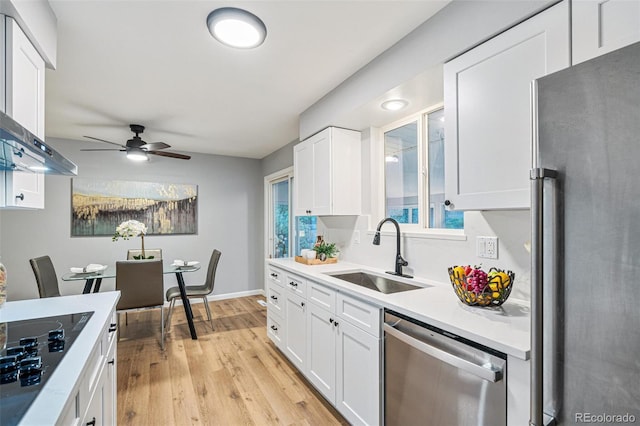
112	362
92	422
273	297
20	196
302	304
274	275
447	203
274	328
293	284
112	328
330	320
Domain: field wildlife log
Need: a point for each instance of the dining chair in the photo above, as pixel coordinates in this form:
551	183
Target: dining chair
45	276
141	287
201	291
156	253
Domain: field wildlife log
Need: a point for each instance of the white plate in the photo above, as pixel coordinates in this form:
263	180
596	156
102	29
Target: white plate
90	268
182	263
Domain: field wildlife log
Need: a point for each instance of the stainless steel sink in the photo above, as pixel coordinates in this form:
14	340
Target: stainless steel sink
374	282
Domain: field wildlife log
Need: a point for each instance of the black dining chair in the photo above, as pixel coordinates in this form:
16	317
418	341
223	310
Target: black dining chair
201	291
141	286
46	277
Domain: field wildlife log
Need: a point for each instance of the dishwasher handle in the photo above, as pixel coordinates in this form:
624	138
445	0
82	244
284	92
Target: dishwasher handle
486	373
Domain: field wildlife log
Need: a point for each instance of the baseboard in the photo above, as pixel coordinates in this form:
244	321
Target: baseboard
214	297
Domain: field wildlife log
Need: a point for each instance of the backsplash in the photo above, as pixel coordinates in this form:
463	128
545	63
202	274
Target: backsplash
430	257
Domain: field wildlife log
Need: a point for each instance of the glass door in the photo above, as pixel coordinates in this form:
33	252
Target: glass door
279	216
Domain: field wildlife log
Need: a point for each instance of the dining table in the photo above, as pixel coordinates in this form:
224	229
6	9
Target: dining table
93	280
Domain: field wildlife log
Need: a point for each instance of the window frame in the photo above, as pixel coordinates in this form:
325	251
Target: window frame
421	229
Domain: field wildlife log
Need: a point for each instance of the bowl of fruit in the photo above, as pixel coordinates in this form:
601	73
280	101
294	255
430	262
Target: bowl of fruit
475	287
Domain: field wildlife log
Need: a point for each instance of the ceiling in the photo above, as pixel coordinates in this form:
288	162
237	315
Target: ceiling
154	63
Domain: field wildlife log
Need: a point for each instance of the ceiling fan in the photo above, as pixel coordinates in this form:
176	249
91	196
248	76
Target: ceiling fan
137	149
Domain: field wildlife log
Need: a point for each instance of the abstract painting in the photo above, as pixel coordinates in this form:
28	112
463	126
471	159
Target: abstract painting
99	206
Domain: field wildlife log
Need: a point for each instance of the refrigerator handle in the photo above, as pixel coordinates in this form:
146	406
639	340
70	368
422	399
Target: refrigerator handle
537	176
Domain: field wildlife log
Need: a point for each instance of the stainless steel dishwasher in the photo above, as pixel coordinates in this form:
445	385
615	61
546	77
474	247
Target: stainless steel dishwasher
435	378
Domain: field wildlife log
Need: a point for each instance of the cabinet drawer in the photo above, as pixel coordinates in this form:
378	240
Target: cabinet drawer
360	314
275	299
275	275
296	284
321	295
274	329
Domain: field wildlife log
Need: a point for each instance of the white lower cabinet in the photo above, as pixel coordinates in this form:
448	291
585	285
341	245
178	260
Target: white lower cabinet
358	356
334	340
94	400
321	348
295	331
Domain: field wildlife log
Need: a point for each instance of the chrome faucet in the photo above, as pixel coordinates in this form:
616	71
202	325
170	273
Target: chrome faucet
400	262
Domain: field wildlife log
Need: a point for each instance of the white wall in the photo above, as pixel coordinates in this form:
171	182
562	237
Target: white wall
429	258
229	219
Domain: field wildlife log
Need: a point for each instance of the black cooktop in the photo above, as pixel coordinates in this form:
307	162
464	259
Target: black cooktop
33	350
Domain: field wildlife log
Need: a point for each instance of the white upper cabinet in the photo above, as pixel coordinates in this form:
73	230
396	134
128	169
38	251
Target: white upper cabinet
24	75
488	111
327	177
601	26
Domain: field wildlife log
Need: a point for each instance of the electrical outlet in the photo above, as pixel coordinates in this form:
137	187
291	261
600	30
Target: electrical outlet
487	247
356	237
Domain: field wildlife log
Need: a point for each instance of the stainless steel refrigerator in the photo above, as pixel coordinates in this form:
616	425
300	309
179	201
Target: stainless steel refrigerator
585	185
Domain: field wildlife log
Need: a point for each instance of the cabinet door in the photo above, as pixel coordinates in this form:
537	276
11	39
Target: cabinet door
25	80
303	178
322	166
95	410
601	26
488	111
24	189
275	299
321	345
359	377
110	405
296	331
275	330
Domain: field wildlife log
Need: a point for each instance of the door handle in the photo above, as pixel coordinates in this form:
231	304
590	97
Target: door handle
487	373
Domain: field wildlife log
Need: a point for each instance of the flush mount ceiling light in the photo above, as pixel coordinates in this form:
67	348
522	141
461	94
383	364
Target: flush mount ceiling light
394	104
136	154
236	27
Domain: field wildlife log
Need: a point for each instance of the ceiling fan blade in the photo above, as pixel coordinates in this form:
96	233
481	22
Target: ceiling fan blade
103	149
170	154
102	140
154	146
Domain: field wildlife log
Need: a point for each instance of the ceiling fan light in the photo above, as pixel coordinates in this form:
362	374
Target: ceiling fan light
236	27
136	154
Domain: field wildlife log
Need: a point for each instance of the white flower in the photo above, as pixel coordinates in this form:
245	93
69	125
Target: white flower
129	229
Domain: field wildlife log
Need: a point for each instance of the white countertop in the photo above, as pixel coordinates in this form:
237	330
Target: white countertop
52	398
505	328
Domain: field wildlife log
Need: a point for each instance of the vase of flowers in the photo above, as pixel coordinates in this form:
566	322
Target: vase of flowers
129	229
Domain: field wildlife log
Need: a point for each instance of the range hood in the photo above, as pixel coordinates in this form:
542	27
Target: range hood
20	150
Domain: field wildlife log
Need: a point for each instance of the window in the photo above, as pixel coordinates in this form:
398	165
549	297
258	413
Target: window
414	173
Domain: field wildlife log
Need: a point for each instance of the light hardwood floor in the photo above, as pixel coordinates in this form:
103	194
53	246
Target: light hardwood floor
231	376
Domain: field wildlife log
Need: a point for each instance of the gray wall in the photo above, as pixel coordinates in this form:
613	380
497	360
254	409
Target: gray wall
278	160
230	210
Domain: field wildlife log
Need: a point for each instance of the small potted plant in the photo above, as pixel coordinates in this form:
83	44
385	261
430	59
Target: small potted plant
325	250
